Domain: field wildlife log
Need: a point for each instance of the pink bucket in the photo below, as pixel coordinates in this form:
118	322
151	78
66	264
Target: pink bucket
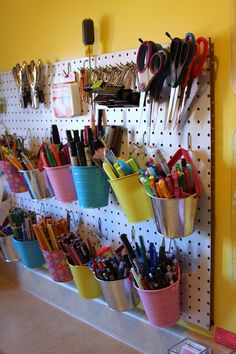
15	180
57	265
162	306
62	182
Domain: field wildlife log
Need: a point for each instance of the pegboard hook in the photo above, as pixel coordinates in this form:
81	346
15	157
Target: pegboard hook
189	141
70	212
42	210
68	70
5	127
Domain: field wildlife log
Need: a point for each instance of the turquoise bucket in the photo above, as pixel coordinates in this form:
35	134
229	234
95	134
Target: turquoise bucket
91	186
29	252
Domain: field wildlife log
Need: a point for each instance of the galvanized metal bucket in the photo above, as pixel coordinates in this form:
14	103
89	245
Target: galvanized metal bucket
38	184
120	294
7	249
175	217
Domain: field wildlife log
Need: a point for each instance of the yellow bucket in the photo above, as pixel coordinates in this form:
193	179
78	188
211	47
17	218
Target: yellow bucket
85	282
132	198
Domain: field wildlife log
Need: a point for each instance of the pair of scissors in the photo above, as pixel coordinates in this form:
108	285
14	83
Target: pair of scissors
145	55
181	54
144	73
195	71
153	66
160	68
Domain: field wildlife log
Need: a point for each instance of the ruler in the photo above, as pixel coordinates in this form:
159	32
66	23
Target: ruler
227	338
233	210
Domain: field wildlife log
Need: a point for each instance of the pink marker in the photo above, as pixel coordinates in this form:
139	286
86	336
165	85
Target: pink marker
170	184
177	189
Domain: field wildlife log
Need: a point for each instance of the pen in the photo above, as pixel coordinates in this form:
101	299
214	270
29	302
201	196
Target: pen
76	135
56	155
44	157
131	252
80	153
68	136
164	189
162	256
170	184
73	154
55	137
177	190
50	157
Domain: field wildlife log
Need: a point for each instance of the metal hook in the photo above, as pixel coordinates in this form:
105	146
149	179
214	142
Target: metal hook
5	127
189	141
73	217
68	70
42	206
85	61
133	240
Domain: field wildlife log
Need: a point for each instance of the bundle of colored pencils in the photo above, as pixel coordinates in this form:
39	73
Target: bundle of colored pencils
48	231
13	150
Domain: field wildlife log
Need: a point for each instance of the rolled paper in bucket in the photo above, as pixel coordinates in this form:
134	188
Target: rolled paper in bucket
15	180
57	265
120	294
175	217
7	249
62	183
91	185
38	184
132	198
86	284
162	306
30	253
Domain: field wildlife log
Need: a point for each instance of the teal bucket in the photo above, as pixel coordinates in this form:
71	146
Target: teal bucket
29	252
91	186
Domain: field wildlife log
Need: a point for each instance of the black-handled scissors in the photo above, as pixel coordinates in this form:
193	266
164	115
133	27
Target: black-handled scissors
181	55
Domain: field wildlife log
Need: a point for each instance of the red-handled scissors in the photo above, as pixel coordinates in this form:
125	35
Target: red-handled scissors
195	71
198	62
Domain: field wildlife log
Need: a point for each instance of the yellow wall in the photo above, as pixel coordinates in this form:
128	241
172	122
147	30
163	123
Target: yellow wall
51	30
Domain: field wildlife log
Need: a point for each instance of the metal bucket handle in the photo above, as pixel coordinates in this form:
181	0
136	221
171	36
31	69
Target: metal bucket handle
185	153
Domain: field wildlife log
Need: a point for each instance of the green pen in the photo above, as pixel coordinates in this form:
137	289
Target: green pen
147	186
50	157
177	167
182	181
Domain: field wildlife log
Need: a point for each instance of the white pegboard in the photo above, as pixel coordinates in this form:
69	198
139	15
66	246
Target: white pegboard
195	250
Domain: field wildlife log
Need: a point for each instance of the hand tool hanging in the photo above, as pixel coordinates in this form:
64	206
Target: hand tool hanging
153	67
115	85
88	40
35	78
181	56
20	77
201	50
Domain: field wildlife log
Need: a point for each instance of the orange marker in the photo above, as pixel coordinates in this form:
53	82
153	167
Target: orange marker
164	188
56	155
159	190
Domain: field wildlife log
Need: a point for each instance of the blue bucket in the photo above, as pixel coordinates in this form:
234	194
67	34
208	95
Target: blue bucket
30	253
91	186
